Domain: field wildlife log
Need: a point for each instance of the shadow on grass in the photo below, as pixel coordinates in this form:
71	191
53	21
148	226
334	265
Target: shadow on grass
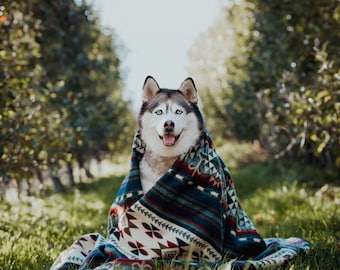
105	188
273	173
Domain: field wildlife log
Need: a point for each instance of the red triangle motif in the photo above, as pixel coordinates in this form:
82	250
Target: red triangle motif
129	216
157	251
172	245
127	231
149	234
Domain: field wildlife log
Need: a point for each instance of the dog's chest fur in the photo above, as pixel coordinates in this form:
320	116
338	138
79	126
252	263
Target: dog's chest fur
152	168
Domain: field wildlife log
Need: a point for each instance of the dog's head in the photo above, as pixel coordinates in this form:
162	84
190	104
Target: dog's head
170	120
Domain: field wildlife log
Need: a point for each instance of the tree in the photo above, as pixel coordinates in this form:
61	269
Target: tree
281	78
61	89
224	41
293	66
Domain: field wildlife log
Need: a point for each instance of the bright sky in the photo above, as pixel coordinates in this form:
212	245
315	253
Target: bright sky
157	35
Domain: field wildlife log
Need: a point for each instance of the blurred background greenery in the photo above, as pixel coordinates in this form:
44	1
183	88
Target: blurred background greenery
269	75
61	91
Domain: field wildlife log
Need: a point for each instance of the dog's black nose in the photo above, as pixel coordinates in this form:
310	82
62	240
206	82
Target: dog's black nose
168	125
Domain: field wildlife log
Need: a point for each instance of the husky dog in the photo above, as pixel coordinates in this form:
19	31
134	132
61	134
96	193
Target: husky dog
170	123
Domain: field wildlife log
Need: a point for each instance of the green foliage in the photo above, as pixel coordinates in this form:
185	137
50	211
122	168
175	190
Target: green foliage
293	66
61	98
279	80
211	56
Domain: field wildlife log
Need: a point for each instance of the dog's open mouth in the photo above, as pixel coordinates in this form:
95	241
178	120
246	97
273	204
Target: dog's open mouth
169	139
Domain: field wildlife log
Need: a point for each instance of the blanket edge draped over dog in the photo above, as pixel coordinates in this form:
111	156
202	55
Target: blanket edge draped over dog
192	210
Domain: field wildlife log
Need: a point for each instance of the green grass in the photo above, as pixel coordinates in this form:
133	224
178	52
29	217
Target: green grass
282	201
34	231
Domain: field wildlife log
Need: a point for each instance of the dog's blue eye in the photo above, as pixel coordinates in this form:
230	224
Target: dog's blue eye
178	111
159	112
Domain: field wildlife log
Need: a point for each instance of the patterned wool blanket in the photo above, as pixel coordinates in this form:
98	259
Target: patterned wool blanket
191	216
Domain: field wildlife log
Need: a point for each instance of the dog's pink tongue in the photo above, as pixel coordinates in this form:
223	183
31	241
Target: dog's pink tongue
168	140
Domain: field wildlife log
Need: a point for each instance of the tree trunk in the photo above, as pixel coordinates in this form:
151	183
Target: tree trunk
41	181
70	174
83	166
57	185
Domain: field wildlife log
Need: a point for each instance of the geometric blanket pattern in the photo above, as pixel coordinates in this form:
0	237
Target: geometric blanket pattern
191	216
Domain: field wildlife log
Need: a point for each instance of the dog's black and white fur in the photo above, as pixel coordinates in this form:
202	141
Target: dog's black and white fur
170	123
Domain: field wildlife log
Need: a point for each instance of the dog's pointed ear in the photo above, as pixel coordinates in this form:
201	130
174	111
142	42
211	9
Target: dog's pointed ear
150	88
189	90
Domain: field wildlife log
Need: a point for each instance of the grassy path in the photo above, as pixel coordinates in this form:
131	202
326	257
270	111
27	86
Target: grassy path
34	231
